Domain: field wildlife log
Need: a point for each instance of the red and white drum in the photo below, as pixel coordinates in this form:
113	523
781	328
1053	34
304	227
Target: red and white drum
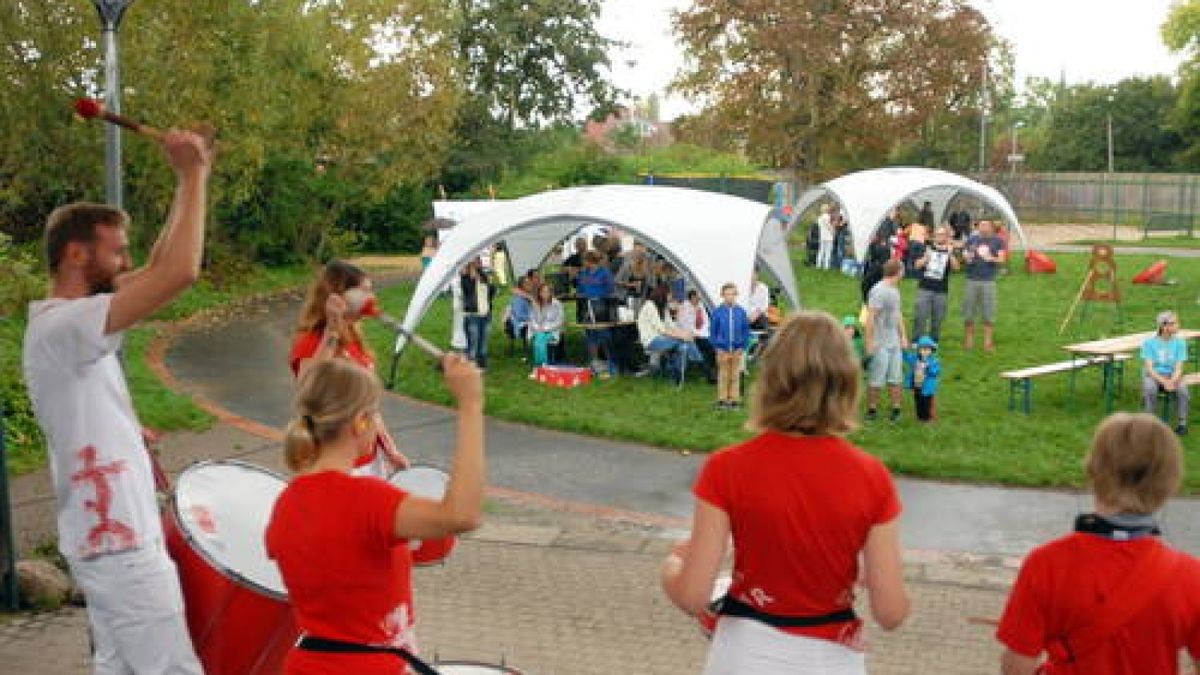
473	668
430	483
237	609
708	618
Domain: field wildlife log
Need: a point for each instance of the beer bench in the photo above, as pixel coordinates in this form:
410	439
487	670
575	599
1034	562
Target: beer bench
1021	381
1167	222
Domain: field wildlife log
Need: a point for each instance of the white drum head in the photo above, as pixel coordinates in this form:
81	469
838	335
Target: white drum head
223	508
422	481
460	668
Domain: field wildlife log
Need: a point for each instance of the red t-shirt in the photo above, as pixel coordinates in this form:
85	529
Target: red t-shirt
307	344
800	509
347	575
1062	582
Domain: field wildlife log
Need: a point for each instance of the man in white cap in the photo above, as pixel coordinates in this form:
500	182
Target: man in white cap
1164	356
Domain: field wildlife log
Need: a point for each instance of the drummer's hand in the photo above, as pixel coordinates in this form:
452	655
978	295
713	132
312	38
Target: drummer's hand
387	445
463	380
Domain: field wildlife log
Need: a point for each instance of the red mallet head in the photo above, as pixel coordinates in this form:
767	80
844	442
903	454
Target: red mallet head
90	108
87	108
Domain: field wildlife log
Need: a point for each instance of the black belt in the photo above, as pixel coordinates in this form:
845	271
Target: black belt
311	643
731	606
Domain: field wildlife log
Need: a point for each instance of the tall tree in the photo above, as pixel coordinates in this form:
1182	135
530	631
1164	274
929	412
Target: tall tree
822	85
1068	125
534	61
1181	33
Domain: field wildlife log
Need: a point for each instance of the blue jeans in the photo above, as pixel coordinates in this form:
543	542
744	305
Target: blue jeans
687	351
541	348
597	339
476	328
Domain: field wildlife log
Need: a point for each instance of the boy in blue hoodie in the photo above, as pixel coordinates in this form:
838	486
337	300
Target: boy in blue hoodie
923	369
729	335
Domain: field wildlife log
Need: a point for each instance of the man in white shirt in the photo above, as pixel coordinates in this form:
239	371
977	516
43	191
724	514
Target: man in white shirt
108	522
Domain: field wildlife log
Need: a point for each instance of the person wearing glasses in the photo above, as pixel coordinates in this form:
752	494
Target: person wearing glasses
1163	357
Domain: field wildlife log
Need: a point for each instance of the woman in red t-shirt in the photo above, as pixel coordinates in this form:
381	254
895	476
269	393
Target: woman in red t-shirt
802	504
341	540
1110	598
328	328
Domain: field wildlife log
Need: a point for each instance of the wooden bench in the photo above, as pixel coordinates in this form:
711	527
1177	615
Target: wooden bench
1167	222
1022	380
1166	399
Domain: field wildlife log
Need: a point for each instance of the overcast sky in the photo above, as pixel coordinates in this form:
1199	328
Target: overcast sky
1086	40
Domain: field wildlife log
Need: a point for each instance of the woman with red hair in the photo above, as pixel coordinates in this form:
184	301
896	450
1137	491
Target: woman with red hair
328	328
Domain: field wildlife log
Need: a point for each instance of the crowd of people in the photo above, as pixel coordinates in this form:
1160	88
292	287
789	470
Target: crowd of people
810	517
638	315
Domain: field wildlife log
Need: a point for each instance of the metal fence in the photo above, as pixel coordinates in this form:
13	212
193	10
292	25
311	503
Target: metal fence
1109	198
756	189
1126	198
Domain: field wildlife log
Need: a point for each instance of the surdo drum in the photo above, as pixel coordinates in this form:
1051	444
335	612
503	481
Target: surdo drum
430	483
236	604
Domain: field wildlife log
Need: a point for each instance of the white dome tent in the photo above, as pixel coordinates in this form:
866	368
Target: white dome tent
867	196
712	238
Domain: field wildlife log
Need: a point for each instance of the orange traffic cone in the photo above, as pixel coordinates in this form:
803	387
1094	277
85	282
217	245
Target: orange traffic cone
1037	262
1153	274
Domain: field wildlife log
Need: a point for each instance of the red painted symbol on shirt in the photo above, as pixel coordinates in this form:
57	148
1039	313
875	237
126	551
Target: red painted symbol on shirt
98	476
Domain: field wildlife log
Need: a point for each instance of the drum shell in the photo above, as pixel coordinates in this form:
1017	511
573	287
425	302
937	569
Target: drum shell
236	627
472	668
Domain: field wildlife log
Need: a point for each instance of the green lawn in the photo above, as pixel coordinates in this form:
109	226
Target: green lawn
975	438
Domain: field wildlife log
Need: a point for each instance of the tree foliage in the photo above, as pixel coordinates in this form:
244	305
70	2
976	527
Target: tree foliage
366	89
1067	126
1181	33
534	61
828	84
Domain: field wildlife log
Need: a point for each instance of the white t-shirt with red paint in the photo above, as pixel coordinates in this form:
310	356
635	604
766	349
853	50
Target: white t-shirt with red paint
102	476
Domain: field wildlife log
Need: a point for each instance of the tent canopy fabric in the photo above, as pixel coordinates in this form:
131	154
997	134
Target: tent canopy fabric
712	238
866	197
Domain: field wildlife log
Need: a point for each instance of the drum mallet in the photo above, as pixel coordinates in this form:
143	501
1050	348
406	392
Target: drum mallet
90	108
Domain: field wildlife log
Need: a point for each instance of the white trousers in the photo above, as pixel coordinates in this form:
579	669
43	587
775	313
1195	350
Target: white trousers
824	254
745	646
135	606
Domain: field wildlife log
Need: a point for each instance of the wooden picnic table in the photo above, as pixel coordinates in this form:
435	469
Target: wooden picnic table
1108	349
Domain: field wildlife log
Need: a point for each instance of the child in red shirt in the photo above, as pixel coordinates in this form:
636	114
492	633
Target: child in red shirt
801	504
341	540
328	328
1111	598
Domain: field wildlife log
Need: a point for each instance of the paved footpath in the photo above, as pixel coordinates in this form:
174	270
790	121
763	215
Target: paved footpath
549	591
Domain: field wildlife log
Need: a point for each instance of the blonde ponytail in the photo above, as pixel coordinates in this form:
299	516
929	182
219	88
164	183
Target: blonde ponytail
299	446
331	394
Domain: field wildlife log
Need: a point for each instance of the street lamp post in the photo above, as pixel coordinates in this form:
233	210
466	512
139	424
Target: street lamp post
1015	157
111	12
1110	139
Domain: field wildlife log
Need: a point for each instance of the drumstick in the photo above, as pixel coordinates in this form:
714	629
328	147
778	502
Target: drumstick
425	345
90	108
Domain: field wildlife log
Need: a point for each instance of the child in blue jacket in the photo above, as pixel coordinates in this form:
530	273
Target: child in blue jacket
729	335
921	375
